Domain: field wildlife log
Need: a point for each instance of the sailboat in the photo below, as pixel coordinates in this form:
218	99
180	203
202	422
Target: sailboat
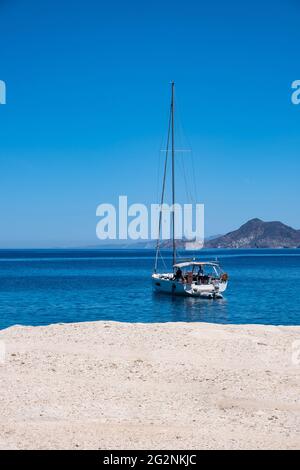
193	277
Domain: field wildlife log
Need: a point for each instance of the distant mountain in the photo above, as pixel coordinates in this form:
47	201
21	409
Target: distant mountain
258	234
253	234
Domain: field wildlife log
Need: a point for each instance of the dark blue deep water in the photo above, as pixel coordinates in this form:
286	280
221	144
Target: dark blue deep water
39	287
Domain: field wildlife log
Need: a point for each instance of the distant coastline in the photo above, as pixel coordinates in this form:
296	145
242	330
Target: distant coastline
254	234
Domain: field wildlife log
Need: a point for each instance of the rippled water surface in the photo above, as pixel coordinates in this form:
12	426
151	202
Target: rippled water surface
38	287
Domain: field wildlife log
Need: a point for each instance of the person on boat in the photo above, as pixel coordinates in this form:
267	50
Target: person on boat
200	271
178	276
200	274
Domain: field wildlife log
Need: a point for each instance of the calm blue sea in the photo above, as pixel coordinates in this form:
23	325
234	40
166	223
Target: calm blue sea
39	287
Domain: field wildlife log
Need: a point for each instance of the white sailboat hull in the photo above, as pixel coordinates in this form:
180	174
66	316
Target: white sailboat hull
166	285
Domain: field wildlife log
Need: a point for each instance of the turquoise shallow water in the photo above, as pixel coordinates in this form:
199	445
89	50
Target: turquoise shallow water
39	287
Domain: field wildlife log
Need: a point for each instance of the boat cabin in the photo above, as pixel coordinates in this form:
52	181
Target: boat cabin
197	272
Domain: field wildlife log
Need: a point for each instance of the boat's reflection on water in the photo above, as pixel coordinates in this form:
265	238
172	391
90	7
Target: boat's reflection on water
189	309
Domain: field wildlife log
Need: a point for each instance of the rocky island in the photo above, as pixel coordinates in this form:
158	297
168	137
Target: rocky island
258	234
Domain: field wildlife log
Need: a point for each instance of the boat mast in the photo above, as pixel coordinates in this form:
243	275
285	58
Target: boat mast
170	131
162	195
173	176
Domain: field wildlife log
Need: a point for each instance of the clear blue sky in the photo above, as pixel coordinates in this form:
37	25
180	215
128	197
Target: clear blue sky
87	96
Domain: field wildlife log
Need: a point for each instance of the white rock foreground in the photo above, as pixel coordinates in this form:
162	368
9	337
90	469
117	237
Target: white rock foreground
107	385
